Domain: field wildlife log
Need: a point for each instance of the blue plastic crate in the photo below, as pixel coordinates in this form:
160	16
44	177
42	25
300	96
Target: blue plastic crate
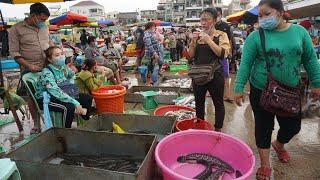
9	64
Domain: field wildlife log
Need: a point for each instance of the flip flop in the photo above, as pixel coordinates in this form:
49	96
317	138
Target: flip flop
263	173
283	155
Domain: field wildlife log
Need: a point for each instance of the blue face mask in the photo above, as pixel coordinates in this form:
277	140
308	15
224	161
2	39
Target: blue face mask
269	23
61	61
41	25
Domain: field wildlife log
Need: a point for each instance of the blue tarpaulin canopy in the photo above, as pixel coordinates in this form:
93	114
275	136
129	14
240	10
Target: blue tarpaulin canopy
105	23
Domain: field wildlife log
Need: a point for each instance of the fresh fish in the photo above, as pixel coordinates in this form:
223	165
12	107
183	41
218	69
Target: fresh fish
182	83
160	92
205	173
238	174
214	161
181	114
217	175
112	163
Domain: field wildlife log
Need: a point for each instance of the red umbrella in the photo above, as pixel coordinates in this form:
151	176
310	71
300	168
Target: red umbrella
306	24
68	18
157	22
53	28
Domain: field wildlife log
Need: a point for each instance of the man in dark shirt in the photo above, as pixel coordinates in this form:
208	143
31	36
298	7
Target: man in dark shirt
223	26
84	40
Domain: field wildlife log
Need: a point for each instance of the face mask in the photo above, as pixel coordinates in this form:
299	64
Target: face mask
60	61
269	23
218	18
40	24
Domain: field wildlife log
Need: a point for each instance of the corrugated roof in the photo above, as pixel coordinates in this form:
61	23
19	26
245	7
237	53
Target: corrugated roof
86	3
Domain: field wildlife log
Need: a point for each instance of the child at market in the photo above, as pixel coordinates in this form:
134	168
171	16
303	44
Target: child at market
86	79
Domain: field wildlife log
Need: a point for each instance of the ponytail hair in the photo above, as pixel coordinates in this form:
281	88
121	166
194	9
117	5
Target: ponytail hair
89	64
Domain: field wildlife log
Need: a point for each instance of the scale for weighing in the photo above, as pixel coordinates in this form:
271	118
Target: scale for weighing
149	102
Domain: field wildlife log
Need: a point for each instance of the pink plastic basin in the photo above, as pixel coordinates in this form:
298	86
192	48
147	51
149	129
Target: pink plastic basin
225	147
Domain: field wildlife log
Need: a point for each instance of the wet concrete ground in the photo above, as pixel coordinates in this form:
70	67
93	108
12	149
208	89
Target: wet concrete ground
304	148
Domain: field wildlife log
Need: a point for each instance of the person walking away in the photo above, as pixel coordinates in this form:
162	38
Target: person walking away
151	52
28	40
53	77
172	45
139	45
160	38
181	41
286	46
84	39
223	26
208	48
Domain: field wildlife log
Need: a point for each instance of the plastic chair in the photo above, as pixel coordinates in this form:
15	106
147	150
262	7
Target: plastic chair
58	119
9	170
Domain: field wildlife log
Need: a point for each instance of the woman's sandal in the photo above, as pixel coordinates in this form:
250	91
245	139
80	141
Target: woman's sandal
283	155
263	173
229	100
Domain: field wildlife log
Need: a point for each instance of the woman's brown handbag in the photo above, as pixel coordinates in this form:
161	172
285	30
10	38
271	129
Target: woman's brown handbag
202	74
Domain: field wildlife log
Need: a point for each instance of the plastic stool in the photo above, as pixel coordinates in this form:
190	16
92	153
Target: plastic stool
149	102
9	169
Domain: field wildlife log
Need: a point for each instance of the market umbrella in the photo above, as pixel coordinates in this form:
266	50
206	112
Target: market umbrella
53	28
235	17
105	23
249	16
29	1
306	24
68	18
88	24
162	23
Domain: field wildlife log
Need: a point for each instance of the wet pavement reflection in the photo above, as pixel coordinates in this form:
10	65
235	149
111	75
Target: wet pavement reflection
304	148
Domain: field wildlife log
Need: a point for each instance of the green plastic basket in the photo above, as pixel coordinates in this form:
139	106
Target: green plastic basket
178	67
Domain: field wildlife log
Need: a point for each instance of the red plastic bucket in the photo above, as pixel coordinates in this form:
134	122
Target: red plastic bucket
161	111
193	124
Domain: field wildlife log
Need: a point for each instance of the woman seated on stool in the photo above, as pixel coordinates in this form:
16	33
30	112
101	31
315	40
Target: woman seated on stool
52	76
86	80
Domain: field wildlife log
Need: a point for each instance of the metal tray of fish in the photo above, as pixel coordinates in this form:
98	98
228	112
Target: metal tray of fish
137	124
133	97
78	154
178	78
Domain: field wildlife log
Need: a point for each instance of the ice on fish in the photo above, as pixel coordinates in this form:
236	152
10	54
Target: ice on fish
160	92
181	114
182	83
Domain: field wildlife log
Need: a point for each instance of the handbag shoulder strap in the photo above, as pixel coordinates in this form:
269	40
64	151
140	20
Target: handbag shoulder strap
50	69
263	45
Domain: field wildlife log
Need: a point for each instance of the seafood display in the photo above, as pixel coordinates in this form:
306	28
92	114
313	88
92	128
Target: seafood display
209	162
181	114
113	163
182	83
186	101
160	92
112	91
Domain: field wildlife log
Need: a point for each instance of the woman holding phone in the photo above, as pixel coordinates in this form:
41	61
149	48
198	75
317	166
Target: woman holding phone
208	47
